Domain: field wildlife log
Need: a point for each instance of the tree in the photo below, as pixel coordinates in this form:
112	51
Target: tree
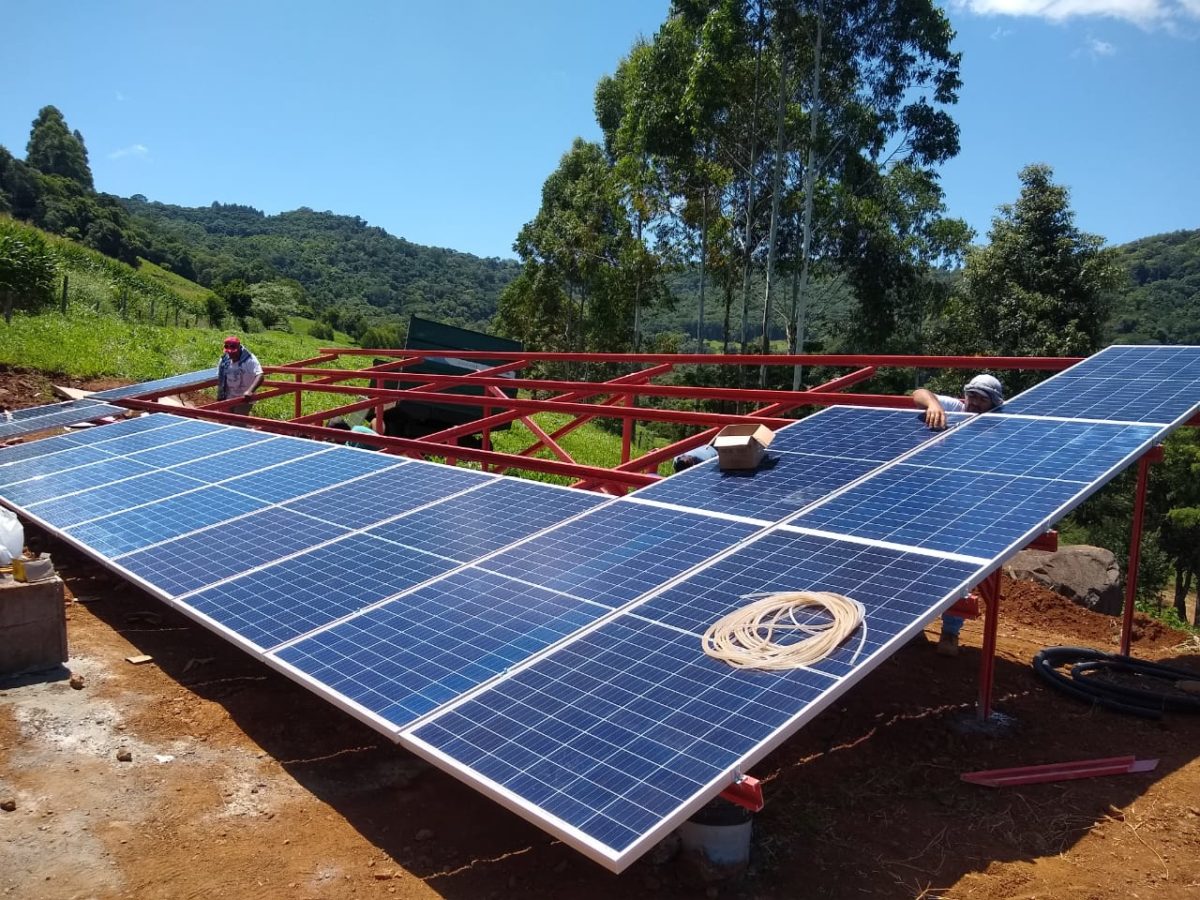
238	299
54	150
27	269
1041	287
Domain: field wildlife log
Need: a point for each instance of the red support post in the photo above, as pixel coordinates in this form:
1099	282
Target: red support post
1153	455
627	432
990	589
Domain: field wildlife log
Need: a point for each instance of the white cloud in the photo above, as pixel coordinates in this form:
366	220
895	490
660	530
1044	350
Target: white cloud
1001	33
1098	47
1146	13
141	151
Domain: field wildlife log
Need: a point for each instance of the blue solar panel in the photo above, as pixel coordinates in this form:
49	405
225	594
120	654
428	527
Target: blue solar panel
179	382
468	526
227	548
125	427
412	654
41	447
897	588
129	530
618	552
201	447
39	418
1038	448
616	731
48	464
1126	384
224	466
283	601
110	498
857	432
59	484
389	493
312	473
978	508
781	485
119	441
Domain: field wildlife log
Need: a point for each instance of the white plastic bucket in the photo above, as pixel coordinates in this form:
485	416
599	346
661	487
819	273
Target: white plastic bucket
12	536
718	837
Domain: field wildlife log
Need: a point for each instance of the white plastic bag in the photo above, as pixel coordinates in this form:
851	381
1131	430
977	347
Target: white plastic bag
12	536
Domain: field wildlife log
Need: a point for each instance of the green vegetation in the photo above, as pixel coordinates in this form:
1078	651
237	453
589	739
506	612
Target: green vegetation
1161	302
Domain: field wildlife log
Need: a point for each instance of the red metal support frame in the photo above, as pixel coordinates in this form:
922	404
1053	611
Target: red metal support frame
989	589
1153	455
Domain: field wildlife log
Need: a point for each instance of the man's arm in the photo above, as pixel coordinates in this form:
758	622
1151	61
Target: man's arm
935	415
258	379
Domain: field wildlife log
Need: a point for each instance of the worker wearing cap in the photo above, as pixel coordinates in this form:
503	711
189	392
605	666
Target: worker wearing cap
238	376
981	394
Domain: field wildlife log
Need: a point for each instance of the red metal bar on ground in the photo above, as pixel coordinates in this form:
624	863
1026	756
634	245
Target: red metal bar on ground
1042	363
989	588
1066	771
1135	545
1045	541
746	792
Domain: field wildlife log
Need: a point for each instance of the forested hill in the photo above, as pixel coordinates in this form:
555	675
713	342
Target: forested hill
1162	302
340	260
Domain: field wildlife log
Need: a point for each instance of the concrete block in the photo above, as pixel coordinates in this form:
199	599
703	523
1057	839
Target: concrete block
33	626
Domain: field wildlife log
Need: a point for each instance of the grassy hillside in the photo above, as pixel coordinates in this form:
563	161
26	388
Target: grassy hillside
1162	301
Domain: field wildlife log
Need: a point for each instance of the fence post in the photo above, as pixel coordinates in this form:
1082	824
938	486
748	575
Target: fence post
66	281
151	310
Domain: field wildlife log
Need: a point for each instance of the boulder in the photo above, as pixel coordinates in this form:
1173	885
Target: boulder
1088	576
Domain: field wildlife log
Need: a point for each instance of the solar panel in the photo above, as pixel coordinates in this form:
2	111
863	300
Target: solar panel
225	466
410	655
59	484
387	494
226	549
125	427
985	487
618	735
614	554
178	382
311	473
95	502
132	529
494	516
1121	383
286	599
40	418
806	461
33	465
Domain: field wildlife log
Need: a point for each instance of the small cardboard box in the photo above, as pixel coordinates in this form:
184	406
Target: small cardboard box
742	446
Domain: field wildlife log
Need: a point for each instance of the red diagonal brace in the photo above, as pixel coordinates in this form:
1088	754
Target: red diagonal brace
745	792
1083	768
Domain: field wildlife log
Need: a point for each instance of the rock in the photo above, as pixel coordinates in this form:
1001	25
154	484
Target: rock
124	755
8	804
77	682
1087	576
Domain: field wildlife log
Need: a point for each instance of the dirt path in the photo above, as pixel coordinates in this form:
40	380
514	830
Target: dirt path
206	774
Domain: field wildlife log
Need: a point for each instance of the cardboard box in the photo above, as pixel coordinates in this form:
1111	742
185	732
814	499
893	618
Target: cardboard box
742	446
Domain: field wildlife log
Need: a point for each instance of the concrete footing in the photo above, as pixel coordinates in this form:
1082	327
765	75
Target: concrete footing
33	626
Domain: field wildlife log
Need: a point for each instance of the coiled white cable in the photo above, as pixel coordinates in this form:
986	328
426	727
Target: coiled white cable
746	637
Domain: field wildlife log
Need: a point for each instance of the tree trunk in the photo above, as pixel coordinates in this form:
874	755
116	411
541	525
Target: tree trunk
703	269
8	304
748	247
776	191
800	299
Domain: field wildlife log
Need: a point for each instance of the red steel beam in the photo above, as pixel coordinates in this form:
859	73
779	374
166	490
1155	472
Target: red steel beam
1043	363
989	588
1153	455
449	434
614	412
408	445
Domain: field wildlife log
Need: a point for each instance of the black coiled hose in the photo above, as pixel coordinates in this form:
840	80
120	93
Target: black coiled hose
1082	673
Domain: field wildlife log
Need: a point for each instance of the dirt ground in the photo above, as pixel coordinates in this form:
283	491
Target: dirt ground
204	773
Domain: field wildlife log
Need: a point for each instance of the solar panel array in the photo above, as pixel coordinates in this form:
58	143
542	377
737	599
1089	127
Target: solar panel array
543	644
33	419
174	383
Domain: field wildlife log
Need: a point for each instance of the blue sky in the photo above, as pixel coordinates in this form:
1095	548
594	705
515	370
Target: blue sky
439	122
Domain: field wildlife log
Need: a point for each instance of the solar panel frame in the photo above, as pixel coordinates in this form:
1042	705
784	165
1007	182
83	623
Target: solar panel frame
179	382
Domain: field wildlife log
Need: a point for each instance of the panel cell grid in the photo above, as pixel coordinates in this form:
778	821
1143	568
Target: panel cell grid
782	484
70	481
201	447
224	466
107	499
857	432
178	382
618	552
470	525
283	601
38	465
615	731
425	648
226	549
390	493
312	473
124	428
1126	384
40	418
124	531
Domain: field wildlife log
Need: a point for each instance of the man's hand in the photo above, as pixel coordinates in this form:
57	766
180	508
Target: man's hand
935	416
